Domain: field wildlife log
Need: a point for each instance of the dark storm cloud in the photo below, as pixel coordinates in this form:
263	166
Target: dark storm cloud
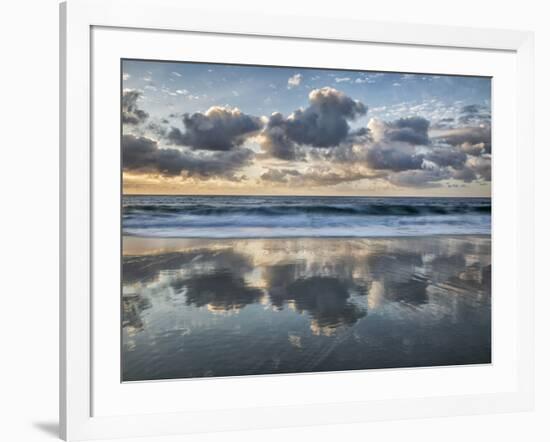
218	129
142	154
131	113
323	123
412	130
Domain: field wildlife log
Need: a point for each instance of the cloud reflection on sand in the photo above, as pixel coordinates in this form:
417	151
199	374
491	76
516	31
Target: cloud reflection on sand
343	289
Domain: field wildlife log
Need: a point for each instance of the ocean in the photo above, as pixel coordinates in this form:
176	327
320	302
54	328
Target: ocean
304	216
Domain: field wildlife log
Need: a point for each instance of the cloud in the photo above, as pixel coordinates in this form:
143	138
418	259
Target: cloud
142	154
392	145
466	174
279	175
419	178
370	78
411	130
472	139
475	114
327	177
439	164
446	157
380	157
276	141
443	123
404	150
481	166
473	149
131	113
294	81
315	176
399	151
471	109
218	129
323	123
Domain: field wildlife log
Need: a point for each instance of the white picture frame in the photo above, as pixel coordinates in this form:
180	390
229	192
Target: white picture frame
78	379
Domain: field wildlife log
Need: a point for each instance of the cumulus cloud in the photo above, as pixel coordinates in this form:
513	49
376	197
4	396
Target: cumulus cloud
381	157
218	129
142	154
399	151
405	152
294	81
439	164
277	142
442	163
446	157
474	140
131	113
412	130
392	145
323	123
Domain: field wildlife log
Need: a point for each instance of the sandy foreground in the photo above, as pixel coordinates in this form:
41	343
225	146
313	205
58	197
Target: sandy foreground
203	307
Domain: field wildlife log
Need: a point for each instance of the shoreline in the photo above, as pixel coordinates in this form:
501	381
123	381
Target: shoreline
141	245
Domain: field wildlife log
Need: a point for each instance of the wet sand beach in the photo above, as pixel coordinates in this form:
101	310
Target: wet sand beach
224	307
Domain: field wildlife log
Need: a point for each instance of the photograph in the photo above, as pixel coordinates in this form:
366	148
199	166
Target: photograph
283	219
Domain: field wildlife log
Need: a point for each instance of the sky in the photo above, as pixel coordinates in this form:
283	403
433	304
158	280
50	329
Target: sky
198	128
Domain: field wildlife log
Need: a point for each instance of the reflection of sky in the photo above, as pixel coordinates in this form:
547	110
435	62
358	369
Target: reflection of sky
286	296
